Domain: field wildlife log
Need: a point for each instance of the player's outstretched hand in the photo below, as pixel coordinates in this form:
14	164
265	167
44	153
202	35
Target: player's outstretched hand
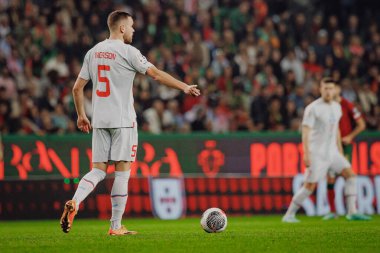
84	124
192	90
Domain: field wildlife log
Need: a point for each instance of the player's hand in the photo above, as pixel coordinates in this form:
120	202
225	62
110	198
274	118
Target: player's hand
306	160
192	90
84	124
347	140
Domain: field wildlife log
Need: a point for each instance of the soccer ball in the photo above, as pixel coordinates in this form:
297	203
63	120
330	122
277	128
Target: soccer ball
214	220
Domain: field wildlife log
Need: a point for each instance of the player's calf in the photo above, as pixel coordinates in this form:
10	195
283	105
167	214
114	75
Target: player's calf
297	200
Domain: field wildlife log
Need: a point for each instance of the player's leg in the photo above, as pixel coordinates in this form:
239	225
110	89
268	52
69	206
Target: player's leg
331	177
331	195
313	174
100	146
350	190
303	193
119	197
351	196
350	187
124	152
89	181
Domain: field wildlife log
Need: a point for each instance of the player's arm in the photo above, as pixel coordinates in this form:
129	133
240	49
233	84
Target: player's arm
166	79
83	123
339	142
360	127
141	65
305	144
308	123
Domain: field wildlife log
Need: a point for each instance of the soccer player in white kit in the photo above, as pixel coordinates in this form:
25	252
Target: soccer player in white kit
323	150
112	65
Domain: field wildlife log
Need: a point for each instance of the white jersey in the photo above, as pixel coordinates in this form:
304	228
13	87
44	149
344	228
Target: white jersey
112	65
323	119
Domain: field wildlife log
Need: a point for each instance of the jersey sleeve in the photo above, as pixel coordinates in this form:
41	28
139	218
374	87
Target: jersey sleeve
354	111
309	117
85	72
138	61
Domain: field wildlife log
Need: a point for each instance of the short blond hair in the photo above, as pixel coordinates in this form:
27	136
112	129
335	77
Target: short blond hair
114	18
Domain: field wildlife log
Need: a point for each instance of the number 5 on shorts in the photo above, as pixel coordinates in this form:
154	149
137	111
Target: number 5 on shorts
103	79
134	151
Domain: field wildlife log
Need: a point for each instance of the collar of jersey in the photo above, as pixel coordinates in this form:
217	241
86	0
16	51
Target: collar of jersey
112	40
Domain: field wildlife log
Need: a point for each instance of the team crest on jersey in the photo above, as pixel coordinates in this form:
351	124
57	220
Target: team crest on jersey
167	198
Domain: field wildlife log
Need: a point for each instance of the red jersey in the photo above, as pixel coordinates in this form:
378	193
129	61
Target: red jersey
349	114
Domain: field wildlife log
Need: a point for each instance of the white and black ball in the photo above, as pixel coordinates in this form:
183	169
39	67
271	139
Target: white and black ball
214	220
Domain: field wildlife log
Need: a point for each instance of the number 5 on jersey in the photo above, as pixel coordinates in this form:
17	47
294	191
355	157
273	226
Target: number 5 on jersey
103	79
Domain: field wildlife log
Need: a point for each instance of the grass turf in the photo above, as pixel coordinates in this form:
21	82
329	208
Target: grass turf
243	234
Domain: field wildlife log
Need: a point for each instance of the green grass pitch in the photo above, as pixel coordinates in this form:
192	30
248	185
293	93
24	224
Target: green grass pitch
243	234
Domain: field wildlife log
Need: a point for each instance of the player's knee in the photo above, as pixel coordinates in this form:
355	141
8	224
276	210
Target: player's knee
310	186
122	165
100	165
347	173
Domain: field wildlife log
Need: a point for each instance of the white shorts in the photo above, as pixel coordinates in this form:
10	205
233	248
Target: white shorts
320	165
114	144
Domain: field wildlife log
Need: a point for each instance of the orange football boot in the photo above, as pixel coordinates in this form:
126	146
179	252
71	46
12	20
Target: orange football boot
68	215
121	231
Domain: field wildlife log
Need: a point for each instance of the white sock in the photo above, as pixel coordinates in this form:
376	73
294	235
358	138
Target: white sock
297	201
119	195
350	194
87	184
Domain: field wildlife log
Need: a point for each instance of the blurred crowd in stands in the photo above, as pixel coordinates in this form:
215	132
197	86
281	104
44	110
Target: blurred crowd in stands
258	62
